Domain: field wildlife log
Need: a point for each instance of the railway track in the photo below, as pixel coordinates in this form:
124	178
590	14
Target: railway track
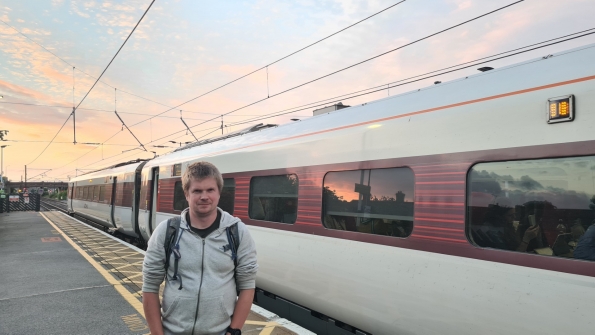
49	204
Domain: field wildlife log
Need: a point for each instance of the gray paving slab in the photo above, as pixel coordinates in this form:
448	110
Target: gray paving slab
49	288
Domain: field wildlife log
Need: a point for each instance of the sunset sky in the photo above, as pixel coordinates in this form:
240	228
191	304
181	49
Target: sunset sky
183	49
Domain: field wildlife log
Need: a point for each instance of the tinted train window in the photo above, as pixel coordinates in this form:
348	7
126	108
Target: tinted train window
378	201
101	193
85	192
274	198
226	202
180	202
544	206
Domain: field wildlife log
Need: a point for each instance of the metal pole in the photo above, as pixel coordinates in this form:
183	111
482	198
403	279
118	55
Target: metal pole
25	176
74	123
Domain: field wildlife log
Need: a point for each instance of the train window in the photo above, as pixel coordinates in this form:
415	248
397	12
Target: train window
101	193
544	206
95	193
176	170
85	192
180	202
274	198
226	201
377	201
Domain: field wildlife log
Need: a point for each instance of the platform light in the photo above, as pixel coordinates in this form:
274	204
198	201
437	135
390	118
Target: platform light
374	126
560	109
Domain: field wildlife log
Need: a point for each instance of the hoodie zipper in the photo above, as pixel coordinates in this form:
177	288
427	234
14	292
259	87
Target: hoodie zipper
202	268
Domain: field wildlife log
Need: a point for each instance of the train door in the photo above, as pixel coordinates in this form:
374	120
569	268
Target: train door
70	196
113	201
153	200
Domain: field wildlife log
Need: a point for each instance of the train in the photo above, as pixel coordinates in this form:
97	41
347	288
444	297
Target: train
458	208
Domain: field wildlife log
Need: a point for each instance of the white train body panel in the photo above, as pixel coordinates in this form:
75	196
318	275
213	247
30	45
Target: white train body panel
402	291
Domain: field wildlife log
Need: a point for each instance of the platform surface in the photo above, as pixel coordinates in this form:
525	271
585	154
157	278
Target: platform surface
60	276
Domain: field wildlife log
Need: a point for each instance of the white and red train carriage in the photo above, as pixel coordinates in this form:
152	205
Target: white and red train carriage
410	214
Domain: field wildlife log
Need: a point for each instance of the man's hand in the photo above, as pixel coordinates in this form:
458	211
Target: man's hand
240	313
152	309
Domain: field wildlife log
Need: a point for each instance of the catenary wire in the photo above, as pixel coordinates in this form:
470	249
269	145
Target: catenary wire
78	69
108	65
119	112
403	81
359	63
384	87
393	82
364	61
276	61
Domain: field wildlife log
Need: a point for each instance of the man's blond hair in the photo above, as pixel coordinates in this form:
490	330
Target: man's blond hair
199	171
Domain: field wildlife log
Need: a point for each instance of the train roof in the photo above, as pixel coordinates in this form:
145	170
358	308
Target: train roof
120	168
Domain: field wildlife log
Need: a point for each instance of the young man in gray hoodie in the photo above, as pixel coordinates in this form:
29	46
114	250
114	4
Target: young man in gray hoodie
201	299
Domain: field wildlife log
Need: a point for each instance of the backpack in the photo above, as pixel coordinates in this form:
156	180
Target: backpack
172	245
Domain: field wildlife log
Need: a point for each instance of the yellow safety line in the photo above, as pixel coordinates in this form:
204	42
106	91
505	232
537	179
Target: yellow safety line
268	328
134	302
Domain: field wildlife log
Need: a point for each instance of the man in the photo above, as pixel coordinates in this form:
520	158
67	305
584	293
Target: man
201	299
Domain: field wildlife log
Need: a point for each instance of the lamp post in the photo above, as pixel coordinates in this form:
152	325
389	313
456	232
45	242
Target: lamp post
2	163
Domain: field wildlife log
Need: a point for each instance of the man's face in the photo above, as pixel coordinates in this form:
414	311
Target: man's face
203	196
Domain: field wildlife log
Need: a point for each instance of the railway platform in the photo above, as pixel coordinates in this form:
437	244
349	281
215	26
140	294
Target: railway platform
62	276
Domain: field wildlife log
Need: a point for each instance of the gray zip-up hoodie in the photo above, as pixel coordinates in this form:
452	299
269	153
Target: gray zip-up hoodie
206	302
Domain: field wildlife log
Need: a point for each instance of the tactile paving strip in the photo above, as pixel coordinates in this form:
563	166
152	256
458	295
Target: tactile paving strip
121	261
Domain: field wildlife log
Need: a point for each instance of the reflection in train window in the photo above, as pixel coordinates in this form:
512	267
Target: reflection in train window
226	201
180	202
85	192
377	201
101	193
544	206
274	198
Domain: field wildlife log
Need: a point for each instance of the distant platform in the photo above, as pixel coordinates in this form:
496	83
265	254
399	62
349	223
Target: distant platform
61	276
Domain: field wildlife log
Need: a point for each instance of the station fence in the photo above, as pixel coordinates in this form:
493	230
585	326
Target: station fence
20	202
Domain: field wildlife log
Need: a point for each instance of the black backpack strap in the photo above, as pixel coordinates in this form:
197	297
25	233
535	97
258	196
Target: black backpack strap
233	238
172	244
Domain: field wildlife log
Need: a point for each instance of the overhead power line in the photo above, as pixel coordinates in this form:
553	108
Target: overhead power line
419	78
327	75
276	61
365	60
119	112
78	69
117	52
248	74
408	80
108	65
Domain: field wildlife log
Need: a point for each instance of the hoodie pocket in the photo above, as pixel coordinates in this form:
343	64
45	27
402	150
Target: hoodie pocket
178	317
212	315
168	307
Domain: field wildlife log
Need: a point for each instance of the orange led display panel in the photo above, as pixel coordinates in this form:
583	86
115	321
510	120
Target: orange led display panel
560	109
